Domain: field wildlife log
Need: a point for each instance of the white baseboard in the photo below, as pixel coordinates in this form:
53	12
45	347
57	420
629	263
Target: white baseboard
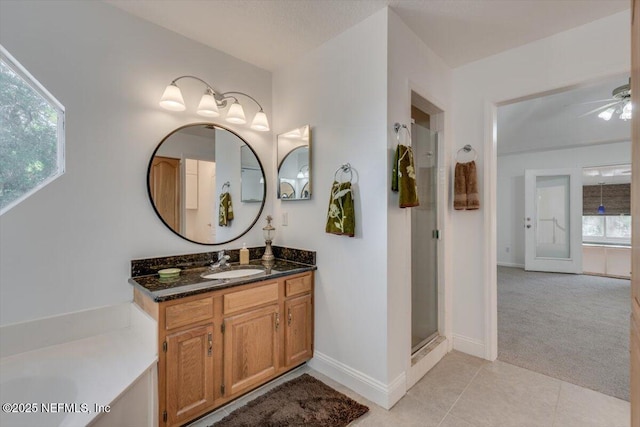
469	345
385	395
510	264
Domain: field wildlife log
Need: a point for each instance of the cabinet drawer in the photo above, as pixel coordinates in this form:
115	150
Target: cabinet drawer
299	285
241	300
188	312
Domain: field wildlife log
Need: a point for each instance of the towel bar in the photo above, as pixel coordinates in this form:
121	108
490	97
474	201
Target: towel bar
344	169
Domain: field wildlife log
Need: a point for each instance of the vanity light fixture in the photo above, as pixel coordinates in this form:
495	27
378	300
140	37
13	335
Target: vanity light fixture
211	103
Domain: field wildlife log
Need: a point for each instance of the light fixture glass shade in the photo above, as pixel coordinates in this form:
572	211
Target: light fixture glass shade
208	106
606	114
300	175
260	122
626	112
172	99
601	209
236	114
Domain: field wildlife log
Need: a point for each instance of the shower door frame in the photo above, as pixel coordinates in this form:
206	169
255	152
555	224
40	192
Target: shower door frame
438	174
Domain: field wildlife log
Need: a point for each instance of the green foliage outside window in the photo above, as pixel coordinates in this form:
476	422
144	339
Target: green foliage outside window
29	137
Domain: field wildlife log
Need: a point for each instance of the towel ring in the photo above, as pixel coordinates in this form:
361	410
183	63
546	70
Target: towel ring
226	184
344	169
398	127
467	149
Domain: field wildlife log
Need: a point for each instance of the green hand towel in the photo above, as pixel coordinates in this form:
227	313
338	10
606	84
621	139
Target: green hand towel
403	179
341	216
226	210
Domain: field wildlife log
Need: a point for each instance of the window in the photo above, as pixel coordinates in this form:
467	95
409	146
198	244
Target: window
606	229
31	134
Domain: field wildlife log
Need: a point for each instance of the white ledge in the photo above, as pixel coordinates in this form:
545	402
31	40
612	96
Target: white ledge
82	373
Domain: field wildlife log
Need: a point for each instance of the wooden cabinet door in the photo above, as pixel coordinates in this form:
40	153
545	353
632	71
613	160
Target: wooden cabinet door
250	348
189	373
164	188
299	330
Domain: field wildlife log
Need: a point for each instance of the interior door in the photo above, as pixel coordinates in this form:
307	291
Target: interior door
635	213
164	186
553	220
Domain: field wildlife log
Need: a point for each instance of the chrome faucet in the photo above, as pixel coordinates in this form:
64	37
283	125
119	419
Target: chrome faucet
222	260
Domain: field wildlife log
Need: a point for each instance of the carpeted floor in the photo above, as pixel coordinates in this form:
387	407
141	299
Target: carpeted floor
571	327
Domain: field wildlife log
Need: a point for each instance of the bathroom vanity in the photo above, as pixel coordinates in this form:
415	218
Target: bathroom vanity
219	339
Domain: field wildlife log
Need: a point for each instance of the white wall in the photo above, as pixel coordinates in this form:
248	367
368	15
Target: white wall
184	145
340	90
586	53
412	66
510	188
68	247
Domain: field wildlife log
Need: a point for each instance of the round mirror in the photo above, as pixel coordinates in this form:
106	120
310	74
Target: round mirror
206	184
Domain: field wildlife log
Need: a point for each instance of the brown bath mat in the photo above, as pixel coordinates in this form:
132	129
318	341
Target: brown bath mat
303	401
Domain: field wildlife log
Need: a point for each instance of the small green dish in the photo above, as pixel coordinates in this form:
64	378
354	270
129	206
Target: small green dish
169	273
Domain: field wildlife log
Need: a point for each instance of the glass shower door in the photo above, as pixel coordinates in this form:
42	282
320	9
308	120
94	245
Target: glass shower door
424	239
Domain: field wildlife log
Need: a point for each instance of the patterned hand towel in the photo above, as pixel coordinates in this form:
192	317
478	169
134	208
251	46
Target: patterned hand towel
466	187
226	210
403	179
341	216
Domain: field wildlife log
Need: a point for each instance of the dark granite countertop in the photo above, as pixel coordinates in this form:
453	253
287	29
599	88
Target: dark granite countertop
190	281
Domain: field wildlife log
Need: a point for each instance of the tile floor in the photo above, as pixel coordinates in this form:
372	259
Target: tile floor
464	391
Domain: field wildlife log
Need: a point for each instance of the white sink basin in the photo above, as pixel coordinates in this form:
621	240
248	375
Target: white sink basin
232	274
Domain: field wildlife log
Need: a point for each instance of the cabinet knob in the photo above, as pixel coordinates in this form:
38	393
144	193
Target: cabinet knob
210	350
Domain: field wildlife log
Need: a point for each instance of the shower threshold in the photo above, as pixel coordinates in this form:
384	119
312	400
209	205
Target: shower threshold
426	345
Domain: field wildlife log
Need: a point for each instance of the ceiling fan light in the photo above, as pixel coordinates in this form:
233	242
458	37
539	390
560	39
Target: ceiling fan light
626	112
606	114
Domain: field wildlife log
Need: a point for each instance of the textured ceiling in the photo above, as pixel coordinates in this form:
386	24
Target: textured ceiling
272	33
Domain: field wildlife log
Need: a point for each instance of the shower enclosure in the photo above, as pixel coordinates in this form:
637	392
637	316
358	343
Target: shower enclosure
424	239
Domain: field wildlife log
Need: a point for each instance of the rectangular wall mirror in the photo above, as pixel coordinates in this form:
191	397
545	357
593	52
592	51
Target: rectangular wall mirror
294	164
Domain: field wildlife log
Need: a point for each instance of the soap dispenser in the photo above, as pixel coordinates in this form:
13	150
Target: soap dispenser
244	254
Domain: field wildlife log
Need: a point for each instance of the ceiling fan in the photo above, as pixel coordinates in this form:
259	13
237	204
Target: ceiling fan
619	103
